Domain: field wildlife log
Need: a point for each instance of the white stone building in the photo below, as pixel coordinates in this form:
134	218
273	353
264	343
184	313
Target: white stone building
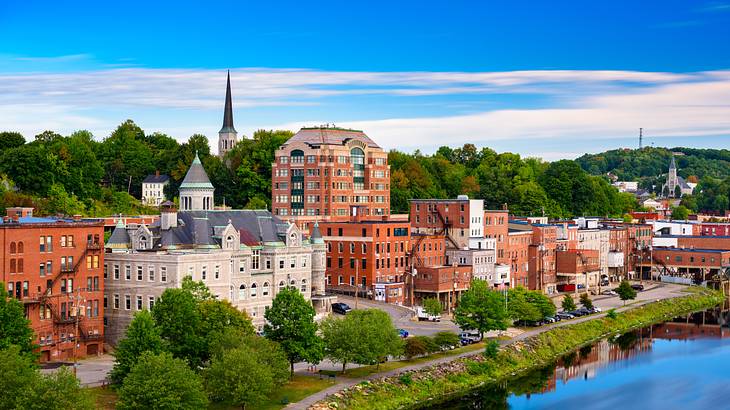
153	189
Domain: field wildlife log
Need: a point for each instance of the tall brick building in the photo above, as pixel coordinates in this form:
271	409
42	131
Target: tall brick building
329	174
55	267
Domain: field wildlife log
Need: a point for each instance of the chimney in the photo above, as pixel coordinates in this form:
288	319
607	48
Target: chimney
157	173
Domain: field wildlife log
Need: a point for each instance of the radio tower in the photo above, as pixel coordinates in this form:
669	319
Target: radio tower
641	135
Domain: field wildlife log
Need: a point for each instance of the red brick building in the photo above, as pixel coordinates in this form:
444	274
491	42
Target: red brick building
329	174
696	265
446	283
516	253
703	242
55	267
459	219
714	229
496	225
368	255
630	240
541	254
578	266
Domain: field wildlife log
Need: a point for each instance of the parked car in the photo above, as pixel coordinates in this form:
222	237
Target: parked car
403	333
528	323
548	319
341	308
584	311
609	292
604	282
422	315
596	309
638	287
565	315
471	336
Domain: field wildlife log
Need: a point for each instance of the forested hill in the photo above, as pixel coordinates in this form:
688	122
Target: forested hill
650	162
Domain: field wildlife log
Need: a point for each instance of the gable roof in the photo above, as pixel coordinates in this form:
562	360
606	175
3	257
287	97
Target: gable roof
156	179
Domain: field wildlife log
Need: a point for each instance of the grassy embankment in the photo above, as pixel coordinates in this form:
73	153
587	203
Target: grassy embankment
436	383
293	391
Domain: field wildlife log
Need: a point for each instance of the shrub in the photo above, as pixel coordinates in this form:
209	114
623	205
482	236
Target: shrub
414	347
491	350
406	379
446	339
612	314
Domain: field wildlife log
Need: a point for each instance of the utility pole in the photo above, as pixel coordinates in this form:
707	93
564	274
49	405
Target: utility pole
356	282
77	308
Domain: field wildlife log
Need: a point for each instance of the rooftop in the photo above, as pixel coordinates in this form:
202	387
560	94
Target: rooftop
330	136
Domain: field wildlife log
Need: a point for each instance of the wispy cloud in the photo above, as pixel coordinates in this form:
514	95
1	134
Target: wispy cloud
574	104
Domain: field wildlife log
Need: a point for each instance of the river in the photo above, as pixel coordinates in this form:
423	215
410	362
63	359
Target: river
679	364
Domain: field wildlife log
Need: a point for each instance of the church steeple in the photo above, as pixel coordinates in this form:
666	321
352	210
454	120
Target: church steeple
228	110
227	136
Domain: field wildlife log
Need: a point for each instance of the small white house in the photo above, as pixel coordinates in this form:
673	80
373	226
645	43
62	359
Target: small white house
153	189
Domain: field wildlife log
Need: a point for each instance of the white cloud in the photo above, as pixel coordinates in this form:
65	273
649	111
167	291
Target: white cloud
577	105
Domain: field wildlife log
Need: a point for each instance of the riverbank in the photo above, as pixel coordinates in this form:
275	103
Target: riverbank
431	385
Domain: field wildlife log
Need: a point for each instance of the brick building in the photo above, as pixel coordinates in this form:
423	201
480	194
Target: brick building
578	267
517	251
496	225
54	266
714	229
370	256
460	219
695	265
541	262
329	174
446	283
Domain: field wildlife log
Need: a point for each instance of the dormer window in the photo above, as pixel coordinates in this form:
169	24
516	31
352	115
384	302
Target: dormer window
142	242
229	242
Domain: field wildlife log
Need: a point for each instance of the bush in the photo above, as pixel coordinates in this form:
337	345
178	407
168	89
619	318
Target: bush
612	314
414	347
406	379
445	340
429	344
492	349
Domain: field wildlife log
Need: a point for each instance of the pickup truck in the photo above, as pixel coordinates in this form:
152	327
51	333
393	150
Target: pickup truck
422	315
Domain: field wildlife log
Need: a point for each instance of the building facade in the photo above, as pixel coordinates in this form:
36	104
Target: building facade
330	174
153	189
54	266
460	219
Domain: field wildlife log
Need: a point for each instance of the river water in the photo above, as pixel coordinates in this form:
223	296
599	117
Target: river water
680	364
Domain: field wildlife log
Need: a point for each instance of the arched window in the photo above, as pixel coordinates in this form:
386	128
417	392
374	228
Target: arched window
304	286
242	292
13	248
293	284
265	290
297	156
281	285
253	290
357	158
143	242
229	241
20	247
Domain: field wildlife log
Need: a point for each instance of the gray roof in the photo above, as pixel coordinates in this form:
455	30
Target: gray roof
316	236
202	229
228	110
196	176
330	136
119	238
156	179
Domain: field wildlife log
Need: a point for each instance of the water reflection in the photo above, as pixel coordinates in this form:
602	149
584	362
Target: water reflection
657	360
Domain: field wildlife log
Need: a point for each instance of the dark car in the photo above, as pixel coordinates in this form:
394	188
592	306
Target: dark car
565	315
341	308
637	287
403	333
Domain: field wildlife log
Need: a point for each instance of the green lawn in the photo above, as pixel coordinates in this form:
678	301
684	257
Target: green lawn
388	366
295	390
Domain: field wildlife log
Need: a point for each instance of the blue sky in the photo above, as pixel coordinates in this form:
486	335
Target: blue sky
550	79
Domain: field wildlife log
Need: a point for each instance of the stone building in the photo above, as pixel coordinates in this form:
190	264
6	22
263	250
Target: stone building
153	189
243	256
675	186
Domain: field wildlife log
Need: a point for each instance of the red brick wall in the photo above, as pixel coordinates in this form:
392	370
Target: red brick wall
496	225
424	213
57	343
442	279
517	255
704	242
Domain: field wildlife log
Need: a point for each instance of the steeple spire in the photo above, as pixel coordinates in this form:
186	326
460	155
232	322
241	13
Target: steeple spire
672	165
228	110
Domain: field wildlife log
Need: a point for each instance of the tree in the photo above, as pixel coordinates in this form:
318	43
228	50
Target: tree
10	139
432	306
290	321
176	315
362	337
197	288
446	339
680	213
568	303
246	375
59	390
481	309
625	291
19	374
141	336
586	301
14	327
414	347
161	382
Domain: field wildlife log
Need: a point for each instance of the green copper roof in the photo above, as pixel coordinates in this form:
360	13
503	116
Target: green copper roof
196	176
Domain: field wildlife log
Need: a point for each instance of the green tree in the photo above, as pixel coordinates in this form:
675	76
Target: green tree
161	382
680	213
178	319
10	139
19	374
362	337
432	306
290	321
568	303
414	347
586	301
141	336
197	288
218	315
446	339
59	390
520	307
246	375
481	309
625	291
14	327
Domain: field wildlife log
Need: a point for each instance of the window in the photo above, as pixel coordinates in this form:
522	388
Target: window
150	302
281	285
163	273
293	262
304	286
217	272
242	266
255	259
128	272
49	244
127	302
304	261
253	290
268	263
116	272
42	244
70	288
116	301
265	290
139	302
204	272
281	263
139	272
242	292
151	273
105	302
